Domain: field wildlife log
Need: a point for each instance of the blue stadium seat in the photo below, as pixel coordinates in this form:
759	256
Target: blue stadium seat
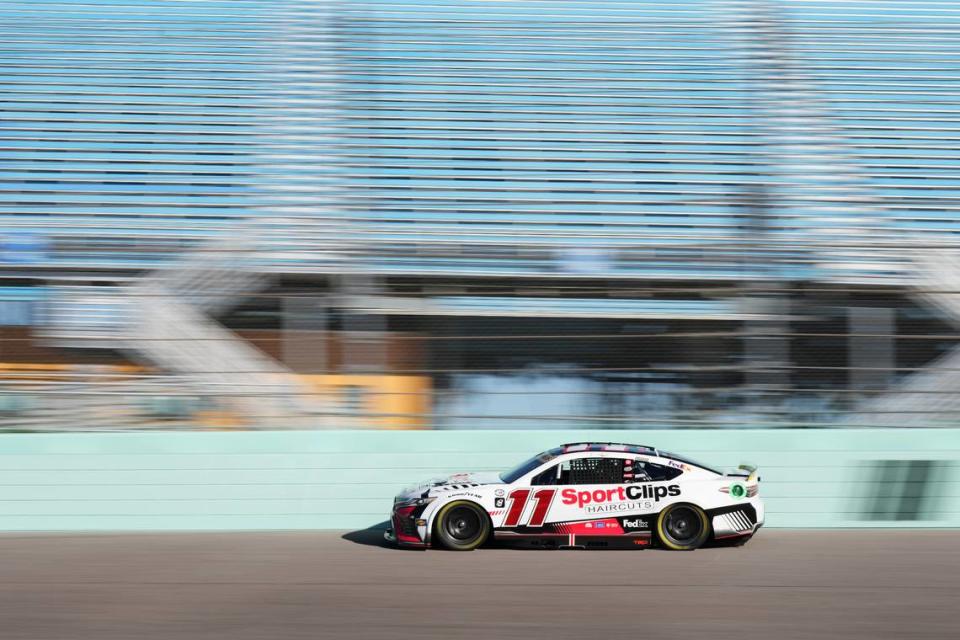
427	133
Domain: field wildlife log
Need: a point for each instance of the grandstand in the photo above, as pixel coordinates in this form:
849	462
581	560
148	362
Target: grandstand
420	212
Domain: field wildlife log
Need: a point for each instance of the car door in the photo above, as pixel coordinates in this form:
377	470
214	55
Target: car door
574	489
590	488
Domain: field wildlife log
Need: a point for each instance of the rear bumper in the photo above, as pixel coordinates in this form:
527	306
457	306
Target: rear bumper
761	511
737	520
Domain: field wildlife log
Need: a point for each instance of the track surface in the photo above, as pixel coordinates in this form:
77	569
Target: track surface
240	586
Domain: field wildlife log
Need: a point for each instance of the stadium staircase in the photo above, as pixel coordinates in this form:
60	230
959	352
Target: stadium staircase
166	319
931	396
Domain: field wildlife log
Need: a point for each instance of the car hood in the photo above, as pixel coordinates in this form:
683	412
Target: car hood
457	479
449	483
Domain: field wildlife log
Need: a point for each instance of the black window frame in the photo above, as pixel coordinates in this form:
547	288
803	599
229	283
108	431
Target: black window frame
535	481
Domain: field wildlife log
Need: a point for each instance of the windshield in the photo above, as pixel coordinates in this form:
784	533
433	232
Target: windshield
690	461
527	466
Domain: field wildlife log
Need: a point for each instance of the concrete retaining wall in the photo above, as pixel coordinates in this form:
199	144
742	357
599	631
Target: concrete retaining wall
346	479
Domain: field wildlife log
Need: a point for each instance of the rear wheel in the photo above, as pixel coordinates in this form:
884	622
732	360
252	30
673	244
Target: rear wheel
683	527
462	526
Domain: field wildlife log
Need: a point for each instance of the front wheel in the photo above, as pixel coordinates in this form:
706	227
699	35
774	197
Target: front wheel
683	527
462	526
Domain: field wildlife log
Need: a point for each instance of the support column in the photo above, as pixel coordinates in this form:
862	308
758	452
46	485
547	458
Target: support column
872	354
304	346
364	333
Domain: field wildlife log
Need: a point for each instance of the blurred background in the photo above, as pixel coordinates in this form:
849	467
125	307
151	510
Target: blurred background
420	214
278	259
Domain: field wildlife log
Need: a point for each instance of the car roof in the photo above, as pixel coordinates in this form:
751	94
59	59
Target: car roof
621	447
574	447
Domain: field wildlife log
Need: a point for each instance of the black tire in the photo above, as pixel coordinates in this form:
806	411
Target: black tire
461	525
683	527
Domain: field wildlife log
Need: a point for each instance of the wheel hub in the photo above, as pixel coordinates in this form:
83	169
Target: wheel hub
463	524
683	526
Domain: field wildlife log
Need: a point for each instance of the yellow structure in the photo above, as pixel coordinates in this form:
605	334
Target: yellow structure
378	401
356	400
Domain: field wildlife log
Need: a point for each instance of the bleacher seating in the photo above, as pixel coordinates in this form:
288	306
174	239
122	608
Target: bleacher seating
783	139
133	131
486	137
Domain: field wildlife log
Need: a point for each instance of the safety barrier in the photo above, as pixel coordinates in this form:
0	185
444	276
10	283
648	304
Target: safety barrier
346	479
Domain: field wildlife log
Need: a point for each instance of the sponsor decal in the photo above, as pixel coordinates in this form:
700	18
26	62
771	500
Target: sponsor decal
500	503
633	492
677	465
590	528
636	523
738	490
499	492
613	507
465	494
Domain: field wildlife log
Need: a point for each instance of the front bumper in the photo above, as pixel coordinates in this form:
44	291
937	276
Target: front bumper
407	528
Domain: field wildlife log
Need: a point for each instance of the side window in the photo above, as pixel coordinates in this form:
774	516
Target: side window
584	471
642	471
548	477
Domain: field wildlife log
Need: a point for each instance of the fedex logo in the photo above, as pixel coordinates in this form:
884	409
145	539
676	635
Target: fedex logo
636	524
629	492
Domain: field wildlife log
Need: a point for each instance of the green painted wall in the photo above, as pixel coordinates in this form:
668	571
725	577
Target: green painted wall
346	479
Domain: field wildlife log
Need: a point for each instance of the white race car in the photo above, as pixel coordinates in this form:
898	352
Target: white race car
586	495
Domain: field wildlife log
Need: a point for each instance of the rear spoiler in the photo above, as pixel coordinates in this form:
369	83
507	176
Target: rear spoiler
748	471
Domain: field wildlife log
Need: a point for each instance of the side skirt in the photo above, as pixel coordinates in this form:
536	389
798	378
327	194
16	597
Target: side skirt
634	540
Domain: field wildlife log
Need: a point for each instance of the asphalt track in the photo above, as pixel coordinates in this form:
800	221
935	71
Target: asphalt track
273	586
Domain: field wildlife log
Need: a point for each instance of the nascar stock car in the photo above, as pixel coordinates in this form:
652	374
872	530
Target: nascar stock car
584	495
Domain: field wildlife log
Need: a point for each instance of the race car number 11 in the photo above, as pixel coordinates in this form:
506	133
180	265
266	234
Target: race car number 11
518	500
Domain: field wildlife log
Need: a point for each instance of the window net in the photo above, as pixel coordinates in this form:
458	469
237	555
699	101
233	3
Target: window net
596	471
